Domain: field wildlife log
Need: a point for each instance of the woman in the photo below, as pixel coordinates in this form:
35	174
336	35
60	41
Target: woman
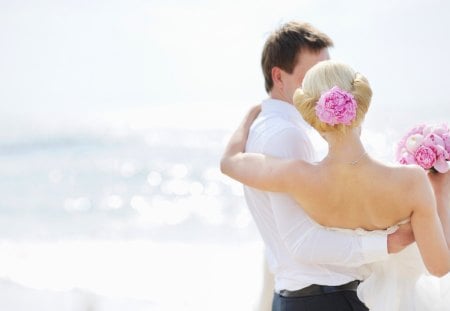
348	189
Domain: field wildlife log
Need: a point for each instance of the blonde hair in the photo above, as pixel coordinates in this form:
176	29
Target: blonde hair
322	77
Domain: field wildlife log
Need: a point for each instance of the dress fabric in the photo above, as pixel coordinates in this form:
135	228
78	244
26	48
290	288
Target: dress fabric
402	283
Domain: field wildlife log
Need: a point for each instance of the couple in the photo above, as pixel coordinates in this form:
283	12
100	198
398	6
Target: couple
338	224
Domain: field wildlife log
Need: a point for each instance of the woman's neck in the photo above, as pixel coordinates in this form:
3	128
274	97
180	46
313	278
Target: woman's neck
345	148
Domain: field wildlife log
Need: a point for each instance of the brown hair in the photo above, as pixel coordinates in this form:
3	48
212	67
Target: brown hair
283	48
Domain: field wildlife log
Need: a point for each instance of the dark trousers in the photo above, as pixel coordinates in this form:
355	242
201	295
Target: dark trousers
337	301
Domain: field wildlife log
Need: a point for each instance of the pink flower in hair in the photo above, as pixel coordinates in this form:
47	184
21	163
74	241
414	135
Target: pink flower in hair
336	106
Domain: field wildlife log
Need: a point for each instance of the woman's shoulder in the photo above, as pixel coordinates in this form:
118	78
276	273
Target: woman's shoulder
412	173
415	182
402	178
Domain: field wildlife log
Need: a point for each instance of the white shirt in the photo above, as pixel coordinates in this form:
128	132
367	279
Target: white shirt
300	252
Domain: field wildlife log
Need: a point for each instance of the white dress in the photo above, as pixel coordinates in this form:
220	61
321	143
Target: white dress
402	283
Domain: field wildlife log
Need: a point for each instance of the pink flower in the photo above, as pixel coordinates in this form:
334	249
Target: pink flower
428	129
413	142
446	139
427	146
419	129
440	130
441	156
441	165
402	143
336	106
433	139
425	157
407	158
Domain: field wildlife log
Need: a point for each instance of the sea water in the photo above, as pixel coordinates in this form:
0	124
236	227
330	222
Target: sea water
124	220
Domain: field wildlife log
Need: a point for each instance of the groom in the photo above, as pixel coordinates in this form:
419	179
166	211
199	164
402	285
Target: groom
314	268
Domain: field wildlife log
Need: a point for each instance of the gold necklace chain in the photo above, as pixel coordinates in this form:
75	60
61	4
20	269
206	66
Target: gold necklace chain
357	160
354	162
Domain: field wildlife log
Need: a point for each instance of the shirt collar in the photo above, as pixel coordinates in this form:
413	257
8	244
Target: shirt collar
284	109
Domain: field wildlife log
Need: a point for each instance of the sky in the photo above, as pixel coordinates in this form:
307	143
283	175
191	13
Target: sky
185	63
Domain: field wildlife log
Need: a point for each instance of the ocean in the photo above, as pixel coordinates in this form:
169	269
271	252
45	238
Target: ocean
114	220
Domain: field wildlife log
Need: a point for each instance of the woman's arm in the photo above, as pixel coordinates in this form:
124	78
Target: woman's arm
258	170
427	227
441	187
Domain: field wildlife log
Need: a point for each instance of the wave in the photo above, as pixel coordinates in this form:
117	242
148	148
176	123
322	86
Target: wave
29	139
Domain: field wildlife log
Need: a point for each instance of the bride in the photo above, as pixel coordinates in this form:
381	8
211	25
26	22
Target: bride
349	190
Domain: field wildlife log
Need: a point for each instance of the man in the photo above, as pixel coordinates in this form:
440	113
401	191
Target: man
314	268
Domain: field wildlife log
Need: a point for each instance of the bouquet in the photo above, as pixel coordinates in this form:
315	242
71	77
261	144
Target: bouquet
427	146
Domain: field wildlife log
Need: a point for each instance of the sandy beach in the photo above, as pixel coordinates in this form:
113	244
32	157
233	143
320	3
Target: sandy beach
131	275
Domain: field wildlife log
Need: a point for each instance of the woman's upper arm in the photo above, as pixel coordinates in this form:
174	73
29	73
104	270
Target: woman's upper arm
293	150
267	173
277	167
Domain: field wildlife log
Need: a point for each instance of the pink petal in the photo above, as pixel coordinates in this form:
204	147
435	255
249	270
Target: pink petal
441	166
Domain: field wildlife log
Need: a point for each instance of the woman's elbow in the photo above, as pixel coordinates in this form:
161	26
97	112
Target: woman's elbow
225	165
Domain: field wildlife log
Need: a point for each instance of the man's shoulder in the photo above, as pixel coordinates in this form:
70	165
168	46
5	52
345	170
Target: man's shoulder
282	139
270	125
265	132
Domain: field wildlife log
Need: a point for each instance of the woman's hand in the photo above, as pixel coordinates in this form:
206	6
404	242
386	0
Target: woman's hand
256	169
229	163
238	140
253	114
400	239
247	122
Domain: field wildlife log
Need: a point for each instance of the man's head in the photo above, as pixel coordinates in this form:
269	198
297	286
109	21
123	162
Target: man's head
288	53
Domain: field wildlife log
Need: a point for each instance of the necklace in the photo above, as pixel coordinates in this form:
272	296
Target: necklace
354	162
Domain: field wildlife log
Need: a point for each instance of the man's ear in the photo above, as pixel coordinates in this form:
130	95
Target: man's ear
277	77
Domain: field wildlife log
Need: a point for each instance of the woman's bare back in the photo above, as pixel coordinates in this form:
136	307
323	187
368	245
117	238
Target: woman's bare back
369	195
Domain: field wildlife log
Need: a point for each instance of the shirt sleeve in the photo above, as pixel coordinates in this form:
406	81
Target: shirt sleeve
305	239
